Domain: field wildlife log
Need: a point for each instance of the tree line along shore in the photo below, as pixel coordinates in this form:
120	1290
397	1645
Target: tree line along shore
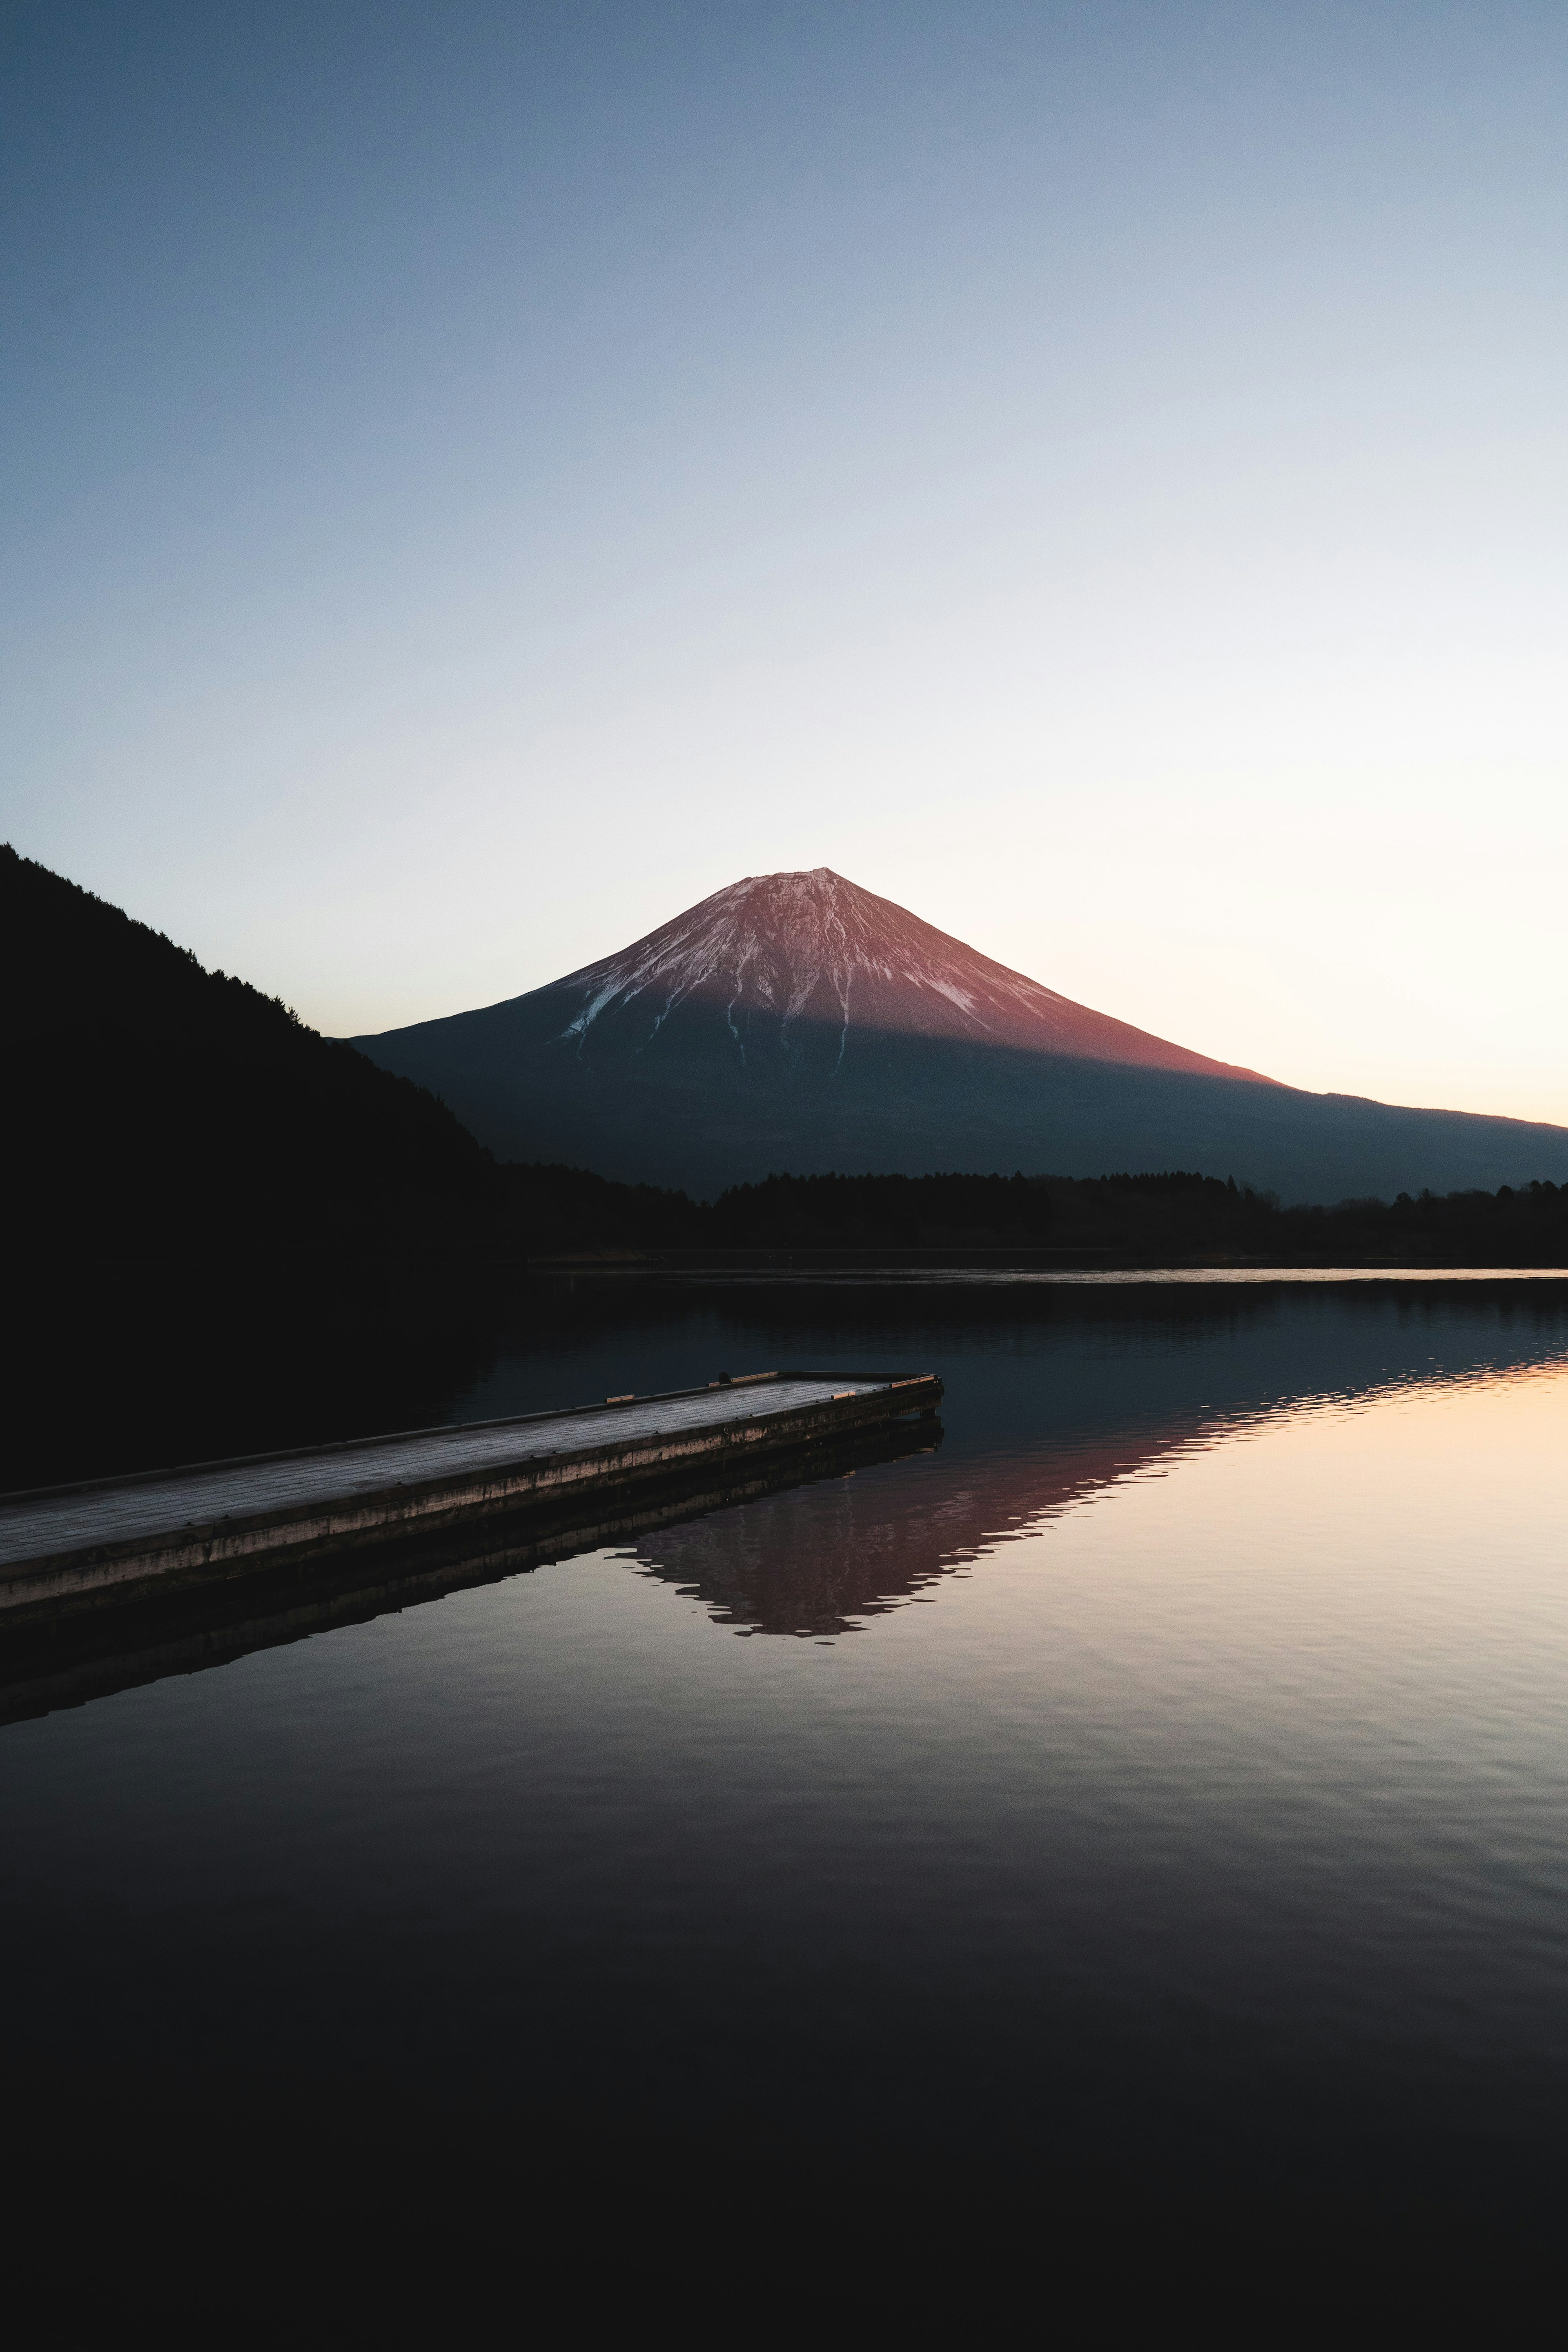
1170	1217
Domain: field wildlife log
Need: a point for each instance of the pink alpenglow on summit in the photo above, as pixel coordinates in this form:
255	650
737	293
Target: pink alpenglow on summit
797	948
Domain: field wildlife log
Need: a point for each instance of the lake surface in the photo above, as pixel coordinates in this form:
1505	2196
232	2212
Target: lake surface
1162	1774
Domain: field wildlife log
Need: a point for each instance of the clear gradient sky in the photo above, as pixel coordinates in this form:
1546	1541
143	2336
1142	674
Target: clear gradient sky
479	477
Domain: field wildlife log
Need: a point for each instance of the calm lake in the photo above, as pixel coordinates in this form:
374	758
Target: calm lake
1160	1768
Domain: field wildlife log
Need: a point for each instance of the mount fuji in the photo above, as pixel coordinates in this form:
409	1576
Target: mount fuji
795	1021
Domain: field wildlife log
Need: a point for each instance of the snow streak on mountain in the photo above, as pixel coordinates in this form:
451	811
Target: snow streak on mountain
790	949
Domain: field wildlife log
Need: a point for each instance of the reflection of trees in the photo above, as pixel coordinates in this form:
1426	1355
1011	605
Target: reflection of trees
815	1560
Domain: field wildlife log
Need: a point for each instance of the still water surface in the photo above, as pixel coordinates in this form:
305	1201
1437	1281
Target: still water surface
1165	1771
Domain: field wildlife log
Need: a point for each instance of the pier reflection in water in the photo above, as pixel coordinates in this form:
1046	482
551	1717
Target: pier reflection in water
1170	1782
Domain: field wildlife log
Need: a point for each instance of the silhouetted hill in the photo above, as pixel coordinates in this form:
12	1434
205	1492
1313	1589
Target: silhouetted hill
796	1021
152	1105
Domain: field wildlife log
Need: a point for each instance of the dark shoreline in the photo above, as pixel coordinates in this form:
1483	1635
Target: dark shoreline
1075	1261
420	1263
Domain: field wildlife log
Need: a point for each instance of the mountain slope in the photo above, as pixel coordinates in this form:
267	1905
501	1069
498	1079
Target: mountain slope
795	1021
151	1104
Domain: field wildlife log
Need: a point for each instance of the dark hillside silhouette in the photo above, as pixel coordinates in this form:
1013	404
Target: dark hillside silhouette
150	1103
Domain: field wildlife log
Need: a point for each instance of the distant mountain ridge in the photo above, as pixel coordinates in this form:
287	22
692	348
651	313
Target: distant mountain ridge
798	1022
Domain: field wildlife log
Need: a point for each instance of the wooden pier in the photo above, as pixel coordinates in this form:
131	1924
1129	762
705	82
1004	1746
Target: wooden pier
66	1550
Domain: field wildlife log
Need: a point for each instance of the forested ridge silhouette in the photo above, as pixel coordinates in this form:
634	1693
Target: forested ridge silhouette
155	1106
1170	1215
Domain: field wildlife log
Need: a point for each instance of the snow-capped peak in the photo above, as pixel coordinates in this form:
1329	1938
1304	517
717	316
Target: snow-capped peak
787	948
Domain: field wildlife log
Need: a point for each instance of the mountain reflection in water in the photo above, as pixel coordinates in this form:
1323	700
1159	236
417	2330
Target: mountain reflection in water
834	1551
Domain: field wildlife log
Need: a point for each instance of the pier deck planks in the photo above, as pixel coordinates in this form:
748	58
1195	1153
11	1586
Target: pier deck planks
73	1544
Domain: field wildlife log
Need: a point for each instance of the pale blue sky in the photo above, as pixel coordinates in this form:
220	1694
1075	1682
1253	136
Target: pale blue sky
478	478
